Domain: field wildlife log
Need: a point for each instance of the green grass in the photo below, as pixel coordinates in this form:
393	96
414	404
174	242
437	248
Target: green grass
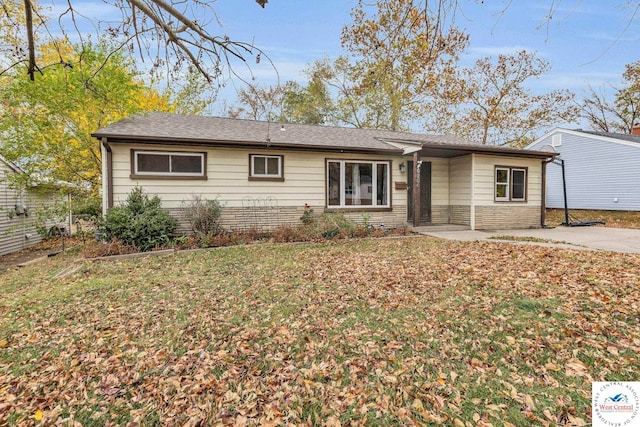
381	332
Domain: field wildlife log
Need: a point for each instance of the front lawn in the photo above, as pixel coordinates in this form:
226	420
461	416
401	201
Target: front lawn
379	332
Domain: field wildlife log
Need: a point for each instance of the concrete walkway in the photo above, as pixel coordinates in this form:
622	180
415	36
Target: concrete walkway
624	240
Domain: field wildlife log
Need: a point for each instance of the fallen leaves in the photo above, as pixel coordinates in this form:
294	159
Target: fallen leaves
398	331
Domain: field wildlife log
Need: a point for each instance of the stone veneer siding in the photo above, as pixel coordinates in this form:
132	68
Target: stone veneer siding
268	218
507	217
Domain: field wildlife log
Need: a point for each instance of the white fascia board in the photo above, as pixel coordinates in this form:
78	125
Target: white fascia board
410	150
584	135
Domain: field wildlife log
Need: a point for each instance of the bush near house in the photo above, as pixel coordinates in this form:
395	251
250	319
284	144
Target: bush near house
141	225
203	215
140	222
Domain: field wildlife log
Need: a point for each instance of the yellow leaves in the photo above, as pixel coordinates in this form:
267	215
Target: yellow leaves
4	343
38	415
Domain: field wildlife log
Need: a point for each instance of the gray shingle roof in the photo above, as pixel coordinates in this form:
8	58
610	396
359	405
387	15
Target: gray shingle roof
174	128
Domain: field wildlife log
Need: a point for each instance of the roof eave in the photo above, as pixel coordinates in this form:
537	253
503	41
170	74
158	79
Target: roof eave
241	144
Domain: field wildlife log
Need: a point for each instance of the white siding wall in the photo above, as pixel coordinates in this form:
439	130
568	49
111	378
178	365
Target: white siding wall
228	170
19	232
598	171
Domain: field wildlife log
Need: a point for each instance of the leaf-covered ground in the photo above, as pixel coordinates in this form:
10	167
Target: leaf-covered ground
618	219
377	332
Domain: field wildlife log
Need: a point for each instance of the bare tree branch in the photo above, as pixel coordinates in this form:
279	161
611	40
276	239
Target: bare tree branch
28	14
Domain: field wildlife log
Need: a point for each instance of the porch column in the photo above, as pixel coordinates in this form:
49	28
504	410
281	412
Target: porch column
416	189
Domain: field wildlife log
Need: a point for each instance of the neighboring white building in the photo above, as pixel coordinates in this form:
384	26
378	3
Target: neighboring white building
19	209
602	169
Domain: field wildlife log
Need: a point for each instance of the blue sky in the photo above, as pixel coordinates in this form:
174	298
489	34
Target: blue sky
587	42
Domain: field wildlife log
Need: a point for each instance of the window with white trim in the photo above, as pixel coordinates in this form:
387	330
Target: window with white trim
510	184
165	163
358	184
266	166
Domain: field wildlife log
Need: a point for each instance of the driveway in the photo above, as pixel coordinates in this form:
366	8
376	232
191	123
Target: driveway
626	240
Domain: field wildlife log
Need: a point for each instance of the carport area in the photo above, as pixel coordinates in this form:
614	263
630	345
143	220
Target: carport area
625	240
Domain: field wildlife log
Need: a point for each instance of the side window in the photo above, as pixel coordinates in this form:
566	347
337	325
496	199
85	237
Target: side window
510	184
266	167
154	164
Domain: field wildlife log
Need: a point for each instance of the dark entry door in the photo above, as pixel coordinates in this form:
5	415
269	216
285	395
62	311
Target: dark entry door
425	192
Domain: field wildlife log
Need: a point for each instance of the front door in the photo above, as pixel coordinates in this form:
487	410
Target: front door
425	192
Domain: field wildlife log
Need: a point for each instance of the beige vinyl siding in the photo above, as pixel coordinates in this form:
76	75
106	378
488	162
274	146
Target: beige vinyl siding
490	214
460	190
439	180
228	177
484	179
460	180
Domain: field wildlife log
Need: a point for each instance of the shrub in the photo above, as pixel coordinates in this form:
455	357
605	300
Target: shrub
140	221
307	216
300	233
203	215
336	225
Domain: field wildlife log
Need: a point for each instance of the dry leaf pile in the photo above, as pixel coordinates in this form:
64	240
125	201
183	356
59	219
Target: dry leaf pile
393	331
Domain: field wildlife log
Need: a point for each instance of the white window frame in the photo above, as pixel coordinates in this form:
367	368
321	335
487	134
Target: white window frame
374	184
252	172
507	193
509	184
202	156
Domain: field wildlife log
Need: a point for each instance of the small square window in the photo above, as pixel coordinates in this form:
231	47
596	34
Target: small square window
266	167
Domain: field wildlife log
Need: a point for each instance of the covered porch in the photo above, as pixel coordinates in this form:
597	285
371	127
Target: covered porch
459	186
